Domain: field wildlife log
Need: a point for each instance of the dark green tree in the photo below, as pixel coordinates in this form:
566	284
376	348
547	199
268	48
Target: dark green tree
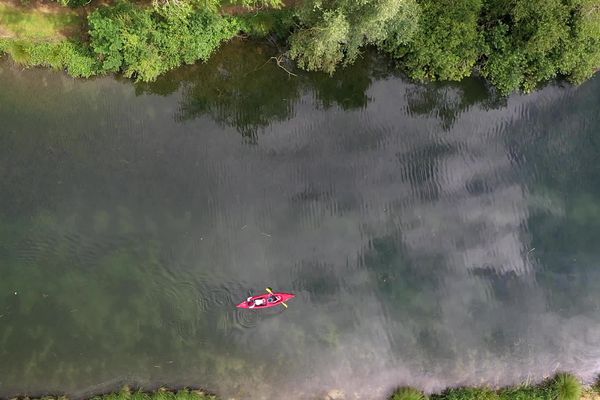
582	55
532	41
447	43
526	40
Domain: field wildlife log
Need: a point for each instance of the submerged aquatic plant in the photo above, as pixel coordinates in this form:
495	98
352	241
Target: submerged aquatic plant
408	393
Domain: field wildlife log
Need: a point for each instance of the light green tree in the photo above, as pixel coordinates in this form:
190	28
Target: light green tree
333	31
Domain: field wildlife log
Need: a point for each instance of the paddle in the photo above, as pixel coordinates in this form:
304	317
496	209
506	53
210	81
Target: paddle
271	292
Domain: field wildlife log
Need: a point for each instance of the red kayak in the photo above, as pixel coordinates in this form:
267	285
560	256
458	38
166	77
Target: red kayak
266	300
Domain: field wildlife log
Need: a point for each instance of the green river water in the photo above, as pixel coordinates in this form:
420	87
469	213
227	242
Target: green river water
434	234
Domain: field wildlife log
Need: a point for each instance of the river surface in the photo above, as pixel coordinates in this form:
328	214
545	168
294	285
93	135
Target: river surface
434	235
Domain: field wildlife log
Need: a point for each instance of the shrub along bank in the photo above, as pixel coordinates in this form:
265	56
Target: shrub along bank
563	386
140	42
516	44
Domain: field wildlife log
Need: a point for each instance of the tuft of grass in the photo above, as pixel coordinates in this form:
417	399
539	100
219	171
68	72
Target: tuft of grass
38	25
408	393
467	393
17	51
71	56
566	387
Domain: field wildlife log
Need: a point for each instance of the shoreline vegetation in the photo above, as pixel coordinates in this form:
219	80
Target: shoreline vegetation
517	45
563	386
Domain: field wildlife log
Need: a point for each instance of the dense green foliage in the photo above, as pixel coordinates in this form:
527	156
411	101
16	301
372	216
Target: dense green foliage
277	23
141	42
333	31
582	55
146	42
529	42
516	44
447	44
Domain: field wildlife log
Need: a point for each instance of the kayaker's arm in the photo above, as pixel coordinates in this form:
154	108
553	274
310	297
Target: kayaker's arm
271	292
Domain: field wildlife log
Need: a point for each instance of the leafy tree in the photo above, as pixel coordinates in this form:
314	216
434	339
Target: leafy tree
275	24
334	30
582	55
321	47
145	42
526	39
447	43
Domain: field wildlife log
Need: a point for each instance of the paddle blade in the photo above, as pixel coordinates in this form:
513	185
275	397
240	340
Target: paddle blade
285	305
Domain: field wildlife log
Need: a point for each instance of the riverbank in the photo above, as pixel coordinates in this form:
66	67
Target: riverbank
140	41
562	386
515	45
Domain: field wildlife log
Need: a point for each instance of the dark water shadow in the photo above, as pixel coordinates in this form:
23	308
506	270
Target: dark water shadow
243	87
446	101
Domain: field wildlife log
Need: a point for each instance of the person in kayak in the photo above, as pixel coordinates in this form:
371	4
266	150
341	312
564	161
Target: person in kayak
272	298
254	303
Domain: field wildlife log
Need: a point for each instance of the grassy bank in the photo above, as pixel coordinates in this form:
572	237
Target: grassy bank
39	24
160	394
515	44
562	386
139	41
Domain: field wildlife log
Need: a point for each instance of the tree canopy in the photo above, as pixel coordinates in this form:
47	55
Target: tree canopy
332	32
146	42
515	44
447	43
